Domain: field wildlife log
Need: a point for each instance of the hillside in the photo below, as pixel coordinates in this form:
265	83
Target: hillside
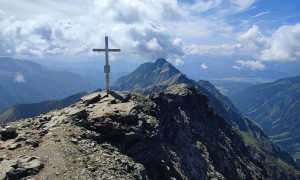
130	136
275	107
21	111
23	82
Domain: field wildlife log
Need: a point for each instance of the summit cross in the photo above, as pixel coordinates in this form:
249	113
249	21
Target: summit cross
107	66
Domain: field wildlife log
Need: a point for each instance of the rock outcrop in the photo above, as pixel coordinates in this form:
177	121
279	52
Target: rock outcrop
21	111
168	135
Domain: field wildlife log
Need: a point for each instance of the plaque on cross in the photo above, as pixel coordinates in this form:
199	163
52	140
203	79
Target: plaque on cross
106	67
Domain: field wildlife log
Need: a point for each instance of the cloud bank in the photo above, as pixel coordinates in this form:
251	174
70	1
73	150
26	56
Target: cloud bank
144	29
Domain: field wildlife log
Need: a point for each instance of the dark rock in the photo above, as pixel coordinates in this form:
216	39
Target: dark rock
32	142
91	98
43	133
74	140
8	133
14	146
78	113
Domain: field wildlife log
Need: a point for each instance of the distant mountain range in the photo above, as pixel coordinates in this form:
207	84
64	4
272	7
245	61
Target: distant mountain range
23	81
275	107
21	111
155	77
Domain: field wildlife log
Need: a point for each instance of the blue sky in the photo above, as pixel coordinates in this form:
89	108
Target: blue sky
254	34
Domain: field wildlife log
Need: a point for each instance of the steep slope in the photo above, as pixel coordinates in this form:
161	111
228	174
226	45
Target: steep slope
150	76
129	136
23	81
221	104
275	107
21	111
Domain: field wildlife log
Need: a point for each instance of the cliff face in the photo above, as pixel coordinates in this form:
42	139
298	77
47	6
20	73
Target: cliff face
172	134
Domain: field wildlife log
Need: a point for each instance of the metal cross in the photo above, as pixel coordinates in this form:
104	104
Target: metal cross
106	67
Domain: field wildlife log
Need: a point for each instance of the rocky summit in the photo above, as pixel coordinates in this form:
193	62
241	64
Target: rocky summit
168	135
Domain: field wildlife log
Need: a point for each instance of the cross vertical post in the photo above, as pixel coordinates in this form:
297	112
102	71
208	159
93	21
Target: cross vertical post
107	66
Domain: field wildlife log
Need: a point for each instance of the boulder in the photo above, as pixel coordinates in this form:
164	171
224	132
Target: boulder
19	168
91	98
7	133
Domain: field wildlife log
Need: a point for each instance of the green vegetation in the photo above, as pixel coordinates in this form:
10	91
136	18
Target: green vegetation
266	155
279	136
275	107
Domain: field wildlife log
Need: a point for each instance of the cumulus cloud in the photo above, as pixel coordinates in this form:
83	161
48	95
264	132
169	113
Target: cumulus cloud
284	45
253	65
146	28
152	44
252	40
179	62
124	22
160	46
19	78
204	66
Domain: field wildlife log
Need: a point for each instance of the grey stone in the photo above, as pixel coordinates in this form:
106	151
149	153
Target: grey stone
19	168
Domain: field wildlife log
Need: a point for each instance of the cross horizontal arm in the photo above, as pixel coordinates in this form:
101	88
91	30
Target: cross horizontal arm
103	50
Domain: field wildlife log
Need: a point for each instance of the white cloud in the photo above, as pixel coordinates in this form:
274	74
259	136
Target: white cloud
178	42
236	67
253	65
252	40
179	62
204	66
51	34
203	6
19	78
223	49
160	46
164	28
284	45
153	45
243	4
260	14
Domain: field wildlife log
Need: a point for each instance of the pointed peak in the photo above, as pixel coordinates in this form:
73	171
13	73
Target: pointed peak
161	61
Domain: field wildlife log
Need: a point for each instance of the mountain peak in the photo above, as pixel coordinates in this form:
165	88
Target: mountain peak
161	61
159	73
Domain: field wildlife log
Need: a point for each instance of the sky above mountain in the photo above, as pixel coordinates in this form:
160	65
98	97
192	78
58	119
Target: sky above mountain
243	34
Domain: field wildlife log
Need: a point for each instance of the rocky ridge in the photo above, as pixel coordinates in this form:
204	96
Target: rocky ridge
158	76
172	134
